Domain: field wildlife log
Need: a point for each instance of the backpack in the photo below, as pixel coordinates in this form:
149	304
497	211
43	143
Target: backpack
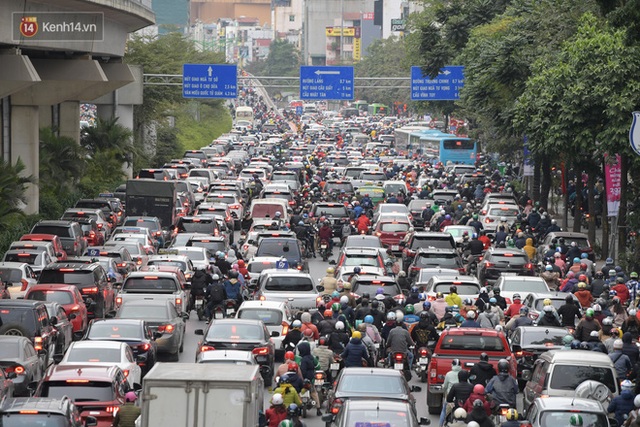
217	293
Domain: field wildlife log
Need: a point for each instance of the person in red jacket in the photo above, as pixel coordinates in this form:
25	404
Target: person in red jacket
621	288
477	394
277	412
486	241
363	224
514	308
242	269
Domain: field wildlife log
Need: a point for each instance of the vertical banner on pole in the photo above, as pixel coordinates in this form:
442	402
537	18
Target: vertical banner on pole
613	180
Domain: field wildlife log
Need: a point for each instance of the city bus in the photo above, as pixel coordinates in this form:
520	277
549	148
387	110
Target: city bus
244	113
440	147
361	106
375	109
402	135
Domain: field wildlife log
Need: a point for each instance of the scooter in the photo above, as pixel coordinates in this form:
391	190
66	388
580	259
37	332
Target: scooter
321	384
423	363
324	250
400	363
199	305
230	308
334	367
305	397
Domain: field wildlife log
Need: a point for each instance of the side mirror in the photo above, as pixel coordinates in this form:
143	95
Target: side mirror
515	348
11	375
57	358
320	288
185	316
72	316
332	262
199	332
251	242
90	421
416	389
58	254
526	375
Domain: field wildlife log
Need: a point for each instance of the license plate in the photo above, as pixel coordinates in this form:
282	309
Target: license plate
229	310
319	381
395	248
376	345
198	303
424	360
323	246
335	366
398	366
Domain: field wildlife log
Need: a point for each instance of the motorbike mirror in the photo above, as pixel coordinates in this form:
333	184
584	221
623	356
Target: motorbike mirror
57	358
526	375
199	332
275	334
424	421
320	288
416	389
332	262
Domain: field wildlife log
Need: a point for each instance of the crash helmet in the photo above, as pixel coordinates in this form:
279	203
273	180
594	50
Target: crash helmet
368	318
339	326
503	365
478	389
131	396
512	414
575	420
277	399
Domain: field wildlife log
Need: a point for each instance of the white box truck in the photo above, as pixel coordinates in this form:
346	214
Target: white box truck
199	395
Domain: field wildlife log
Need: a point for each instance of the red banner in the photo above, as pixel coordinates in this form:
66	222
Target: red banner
613	180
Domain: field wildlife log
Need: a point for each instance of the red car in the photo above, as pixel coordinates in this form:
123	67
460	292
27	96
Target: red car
68	297
392	232
54	239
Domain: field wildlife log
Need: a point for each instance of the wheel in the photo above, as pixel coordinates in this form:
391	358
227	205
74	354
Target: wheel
304	411
423	377
14	329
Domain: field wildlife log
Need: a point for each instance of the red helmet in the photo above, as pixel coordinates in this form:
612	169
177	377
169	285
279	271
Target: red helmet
328	313
582	278
292	367
583	266
289	355
478	389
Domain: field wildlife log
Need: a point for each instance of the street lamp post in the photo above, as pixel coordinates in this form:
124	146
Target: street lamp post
341	30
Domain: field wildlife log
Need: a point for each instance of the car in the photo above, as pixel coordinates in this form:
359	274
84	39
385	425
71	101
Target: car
37	258
374	412
90	279
42	412
145	240
235	357
276	315
20	360
370	284
497	261
240	334
335	213
46	246
60	253
97	391
212	244
163	236
391	232
156	283
458	232
165	259
557	411
69	298
199	256
133	332
287	285
425	274
135	248
425	239
250	246
416	207
535	302
104	353
433	257
18	276
284	247
110	205
124	261
63	327
552	238
94	235
362	241
522	285
29	319
344	273
367	384
468	286
204	224
529	342
102	221
390	208
360	257
69	232
208	209
109	265
160	316
491	216
558	374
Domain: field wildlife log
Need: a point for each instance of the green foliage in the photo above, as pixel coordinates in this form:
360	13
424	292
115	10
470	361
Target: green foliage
109	136
62	162
385	58
167	145
199	129
283	60
13	185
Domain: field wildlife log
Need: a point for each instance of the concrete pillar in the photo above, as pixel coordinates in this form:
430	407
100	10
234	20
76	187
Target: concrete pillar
25	146
70	120
46	117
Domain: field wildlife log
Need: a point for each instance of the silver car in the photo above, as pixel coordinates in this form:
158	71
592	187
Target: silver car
288	285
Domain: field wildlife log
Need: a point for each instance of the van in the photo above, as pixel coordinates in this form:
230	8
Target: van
266	209
559	373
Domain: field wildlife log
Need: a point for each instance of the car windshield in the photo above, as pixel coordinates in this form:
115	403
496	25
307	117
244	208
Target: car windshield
543	336
150	283
363	242
29	258
394	227
463	288
431	241
33	420
90	391
61	297
504	211
159	262
9	350
371	288
568	377
515	285
459	231
212	245
151	225
257	267
472	342
279	248
361	260
335	211
61	231
11	275
197	226
79	277
510	259
557	303
194	255
442	260
94	355
25	317
371	384
265	210
562	418
373	417
235	332
225	362
268	317
289	284
137	311
115	331
338	187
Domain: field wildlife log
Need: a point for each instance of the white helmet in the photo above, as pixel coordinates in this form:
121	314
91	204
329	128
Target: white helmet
391	315
399	316
277	399
471	314
344	299
339	326
460	414
215	277
473	424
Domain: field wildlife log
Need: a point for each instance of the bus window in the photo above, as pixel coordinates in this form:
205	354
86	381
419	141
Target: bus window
458	144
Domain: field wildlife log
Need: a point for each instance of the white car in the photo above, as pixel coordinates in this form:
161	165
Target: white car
37	258
104	353
276	315
491	216
235	357
47	246
198	256
523	285
20	277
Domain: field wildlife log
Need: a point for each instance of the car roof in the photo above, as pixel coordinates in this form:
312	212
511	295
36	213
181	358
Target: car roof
119	321
63	264
81	371
500	251
279	305
370	371
235	321
288	272
455	278
568	403
227	354
52	286
13	264
572	357
159	273
41	404
384	404
20	303
360	250
508	278
99	344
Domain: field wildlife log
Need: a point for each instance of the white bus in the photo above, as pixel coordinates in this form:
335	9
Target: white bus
244	114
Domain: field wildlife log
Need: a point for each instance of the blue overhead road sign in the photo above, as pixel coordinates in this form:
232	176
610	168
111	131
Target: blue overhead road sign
445	87
326	82
209	81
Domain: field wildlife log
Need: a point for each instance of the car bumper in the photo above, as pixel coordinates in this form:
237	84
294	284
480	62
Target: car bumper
168	343
20	386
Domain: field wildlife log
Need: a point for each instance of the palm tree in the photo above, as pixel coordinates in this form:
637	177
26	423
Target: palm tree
12	191
109	135
62	161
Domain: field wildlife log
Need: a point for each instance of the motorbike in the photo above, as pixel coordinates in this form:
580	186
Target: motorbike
305	397
324	250
217	312
423	357
400	363
500	414
230	308
321	384
200	305
334	367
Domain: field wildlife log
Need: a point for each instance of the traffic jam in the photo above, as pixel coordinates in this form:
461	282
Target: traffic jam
334	268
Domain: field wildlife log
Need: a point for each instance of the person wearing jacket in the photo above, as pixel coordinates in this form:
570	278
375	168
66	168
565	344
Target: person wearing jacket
488	318
308	369
477	394
460	391
439	306
483	371
549	318
586	325
621	362
338	339
277	412
569	312
621	405
629	348
479	415
530	249
522	319
584	295
399	341
450	379
288	392
355	352
503	387
128	413
368	343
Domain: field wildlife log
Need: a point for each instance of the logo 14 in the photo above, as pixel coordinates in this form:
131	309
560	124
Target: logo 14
29	26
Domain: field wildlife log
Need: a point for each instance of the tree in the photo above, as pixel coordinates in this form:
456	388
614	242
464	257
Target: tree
13	185
109	135
62	162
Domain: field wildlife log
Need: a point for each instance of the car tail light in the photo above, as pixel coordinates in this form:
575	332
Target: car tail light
166	328
157	233
299	267
178	301
488	220
431	297
320	375
17	369
523	353
489	264
337	404
433	372
29	411
125	372
144	347
204	348
234	206
25	284
91	290
216	232
245	247
414	269
378	233
112	409
37	343
262	298
529	266
533	316
100	225
285	329
260	351
118	300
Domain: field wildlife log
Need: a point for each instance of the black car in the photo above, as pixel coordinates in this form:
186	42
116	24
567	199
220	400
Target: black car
284	247
416	207
335	213
529	342
496	261
29	319
435	258
136	333
42	412
90	279
425	239
240	334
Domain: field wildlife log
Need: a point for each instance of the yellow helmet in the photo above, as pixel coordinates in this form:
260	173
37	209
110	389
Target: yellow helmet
547	301
356	334
512	414
331	270
582	285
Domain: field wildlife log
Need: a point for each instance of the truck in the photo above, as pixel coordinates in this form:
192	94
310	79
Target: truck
156	283
149	197
466	345
201	394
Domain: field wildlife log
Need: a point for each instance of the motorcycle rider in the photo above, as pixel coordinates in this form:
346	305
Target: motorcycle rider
424	331
586	326
453	298
549	318
569	312
233	288
328	324
277	412
470	321
215	295
399	341
329	282
450	379
503	388
308	369
482	372
128	413
512	419
338	339
325	233
199	282
293	337
355	352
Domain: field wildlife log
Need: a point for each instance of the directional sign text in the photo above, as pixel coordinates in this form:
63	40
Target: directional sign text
318	82
445	87
209	81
